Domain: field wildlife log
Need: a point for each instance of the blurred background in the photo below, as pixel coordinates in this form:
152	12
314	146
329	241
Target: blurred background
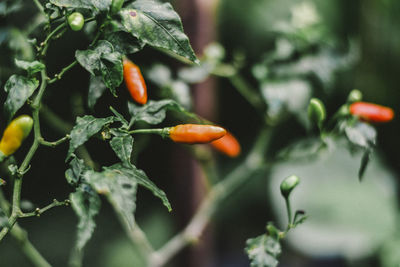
339	46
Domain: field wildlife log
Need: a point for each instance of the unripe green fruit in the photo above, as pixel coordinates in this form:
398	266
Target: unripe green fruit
355	96
289	184
316	111
76	21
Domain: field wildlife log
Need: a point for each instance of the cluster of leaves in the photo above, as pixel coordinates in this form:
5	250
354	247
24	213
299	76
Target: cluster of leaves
137	24
117	182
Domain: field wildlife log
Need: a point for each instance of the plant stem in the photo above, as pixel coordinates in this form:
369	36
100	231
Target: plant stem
210	204
148	131
55	143
247	92
289	213
241	85
16	211
21	237
39	6
59	75
59	27
136	236
64	127
38	211
30	251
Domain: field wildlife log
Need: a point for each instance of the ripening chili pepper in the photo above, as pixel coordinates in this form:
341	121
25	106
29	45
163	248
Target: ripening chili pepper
371	112
14	134
227	145
134	82
195	133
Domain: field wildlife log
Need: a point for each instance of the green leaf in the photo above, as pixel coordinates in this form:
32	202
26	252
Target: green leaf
76	170
85	127
31	67
153	112
120	190
159	26
119	117
124	42
122	146
263	251
361	134
103	61
96	90
19	89
86	205
141	178
286	96
364	163
100	5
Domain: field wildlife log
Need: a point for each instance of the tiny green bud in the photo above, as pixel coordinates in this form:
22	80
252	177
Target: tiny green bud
344	110
316	111
288	185
354	96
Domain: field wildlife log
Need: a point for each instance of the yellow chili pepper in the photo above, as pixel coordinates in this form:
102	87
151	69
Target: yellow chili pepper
14	134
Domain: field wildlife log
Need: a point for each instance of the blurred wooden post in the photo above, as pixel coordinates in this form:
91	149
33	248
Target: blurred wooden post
198	18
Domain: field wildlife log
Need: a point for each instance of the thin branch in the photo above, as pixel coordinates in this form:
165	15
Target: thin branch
21	237
59	75
59	27
54	143
136	236
38	211
26	246
39	6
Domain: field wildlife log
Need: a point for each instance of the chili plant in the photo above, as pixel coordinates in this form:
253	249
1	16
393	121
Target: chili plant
116	31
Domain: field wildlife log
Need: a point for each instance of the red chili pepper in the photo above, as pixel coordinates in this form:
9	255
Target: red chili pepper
227	145
195	133
134	82
371	112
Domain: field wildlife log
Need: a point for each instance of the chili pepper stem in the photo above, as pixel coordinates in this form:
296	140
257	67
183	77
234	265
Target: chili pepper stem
289	213
160	131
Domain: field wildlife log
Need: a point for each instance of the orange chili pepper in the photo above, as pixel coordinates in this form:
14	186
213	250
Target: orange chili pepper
371	112
227	145
195	133
134	82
